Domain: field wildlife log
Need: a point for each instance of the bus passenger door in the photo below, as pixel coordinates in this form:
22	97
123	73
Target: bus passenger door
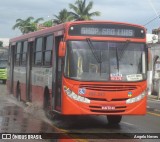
57	76
28	71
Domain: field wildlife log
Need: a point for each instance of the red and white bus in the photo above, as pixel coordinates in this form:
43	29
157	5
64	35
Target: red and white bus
82	68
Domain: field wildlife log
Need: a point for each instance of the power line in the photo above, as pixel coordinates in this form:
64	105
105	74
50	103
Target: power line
158	16
154	9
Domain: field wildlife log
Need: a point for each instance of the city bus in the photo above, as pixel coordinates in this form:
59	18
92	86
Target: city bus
3	70
3	64
82	68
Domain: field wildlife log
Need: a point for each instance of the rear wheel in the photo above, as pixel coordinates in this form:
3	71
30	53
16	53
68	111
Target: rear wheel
47	105
18	92
114	119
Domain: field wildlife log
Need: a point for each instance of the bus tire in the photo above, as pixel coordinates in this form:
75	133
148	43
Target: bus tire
46	104
114	119
18	92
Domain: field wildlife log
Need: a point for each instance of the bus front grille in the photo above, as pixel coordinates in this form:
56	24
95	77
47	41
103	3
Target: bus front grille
108	87
104	99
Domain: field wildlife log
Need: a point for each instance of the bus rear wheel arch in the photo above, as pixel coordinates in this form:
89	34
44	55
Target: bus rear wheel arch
47	107
47	104
114	119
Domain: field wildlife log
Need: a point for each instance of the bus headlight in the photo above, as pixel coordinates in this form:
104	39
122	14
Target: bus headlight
74	96
136	99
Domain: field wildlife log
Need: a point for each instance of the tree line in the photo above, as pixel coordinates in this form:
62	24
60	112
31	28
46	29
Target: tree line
80	11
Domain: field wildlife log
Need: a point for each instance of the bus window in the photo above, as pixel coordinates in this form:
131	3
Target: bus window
3	63
38	52
48	50
24	52
17	53
123	61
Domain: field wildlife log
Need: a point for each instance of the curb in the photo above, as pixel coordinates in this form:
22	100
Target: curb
153	110
153	97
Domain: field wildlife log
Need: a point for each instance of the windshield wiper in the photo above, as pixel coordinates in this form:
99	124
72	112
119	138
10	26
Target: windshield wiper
98	59
123	49
119	56
93	50
117	59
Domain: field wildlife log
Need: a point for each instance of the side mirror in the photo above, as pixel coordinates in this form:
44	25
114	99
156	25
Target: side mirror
62	49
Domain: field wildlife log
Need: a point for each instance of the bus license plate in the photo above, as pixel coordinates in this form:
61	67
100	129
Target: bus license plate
108	107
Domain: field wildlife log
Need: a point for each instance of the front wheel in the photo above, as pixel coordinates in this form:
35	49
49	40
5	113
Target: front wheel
47	105
114	119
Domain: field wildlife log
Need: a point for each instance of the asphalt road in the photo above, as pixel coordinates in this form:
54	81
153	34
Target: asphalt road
17	117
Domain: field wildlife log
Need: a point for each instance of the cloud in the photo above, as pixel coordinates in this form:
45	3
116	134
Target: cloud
137	11
13	10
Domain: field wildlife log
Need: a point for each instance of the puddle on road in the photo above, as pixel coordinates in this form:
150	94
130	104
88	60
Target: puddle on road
16	117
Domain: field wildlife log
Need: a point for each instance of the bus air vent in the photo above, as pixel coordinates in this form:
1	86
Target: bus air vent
108	87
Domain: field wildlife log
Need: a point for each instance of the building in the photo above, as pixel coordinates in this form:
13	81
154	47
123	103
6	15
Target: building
152	38
153	43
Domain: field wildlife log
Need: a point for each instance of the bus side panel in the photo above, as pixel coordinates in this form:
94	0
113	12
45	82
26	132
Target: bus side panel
37	95
41	79
20	79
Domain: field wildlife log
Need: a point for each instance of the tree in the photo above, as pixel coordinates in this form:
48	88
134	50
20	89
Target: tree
27	25
35	23
48	23
81	11
64	16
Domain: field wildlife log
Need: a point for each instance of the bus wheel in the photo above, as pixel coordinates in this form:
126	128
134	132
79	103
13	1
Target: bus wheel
114	119
18	92
46	104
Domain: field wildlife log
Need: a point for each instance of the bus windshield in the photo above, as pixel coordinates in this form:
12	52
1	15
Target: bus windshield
3	63
105	61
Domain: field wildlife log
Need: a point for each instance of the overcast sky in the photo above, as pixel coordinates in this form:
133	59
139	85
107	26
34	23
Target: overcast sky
132	11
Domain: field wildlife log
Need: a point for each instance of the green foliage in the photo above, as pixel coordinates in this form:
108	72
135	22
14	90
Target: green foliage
62	17
48	23
27	25
81	11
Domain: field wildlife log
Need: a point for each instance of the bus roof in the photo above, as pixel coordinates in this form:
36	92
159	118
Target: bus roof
37	33
63	26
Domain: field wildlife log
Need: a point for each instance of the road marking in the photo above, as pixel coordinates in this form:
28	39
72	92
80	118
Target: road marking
153	113
71	136
128	123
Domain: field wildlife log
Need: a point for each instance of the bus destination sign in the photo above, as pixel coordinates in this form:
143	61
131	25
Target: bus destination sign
111	30
107	32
